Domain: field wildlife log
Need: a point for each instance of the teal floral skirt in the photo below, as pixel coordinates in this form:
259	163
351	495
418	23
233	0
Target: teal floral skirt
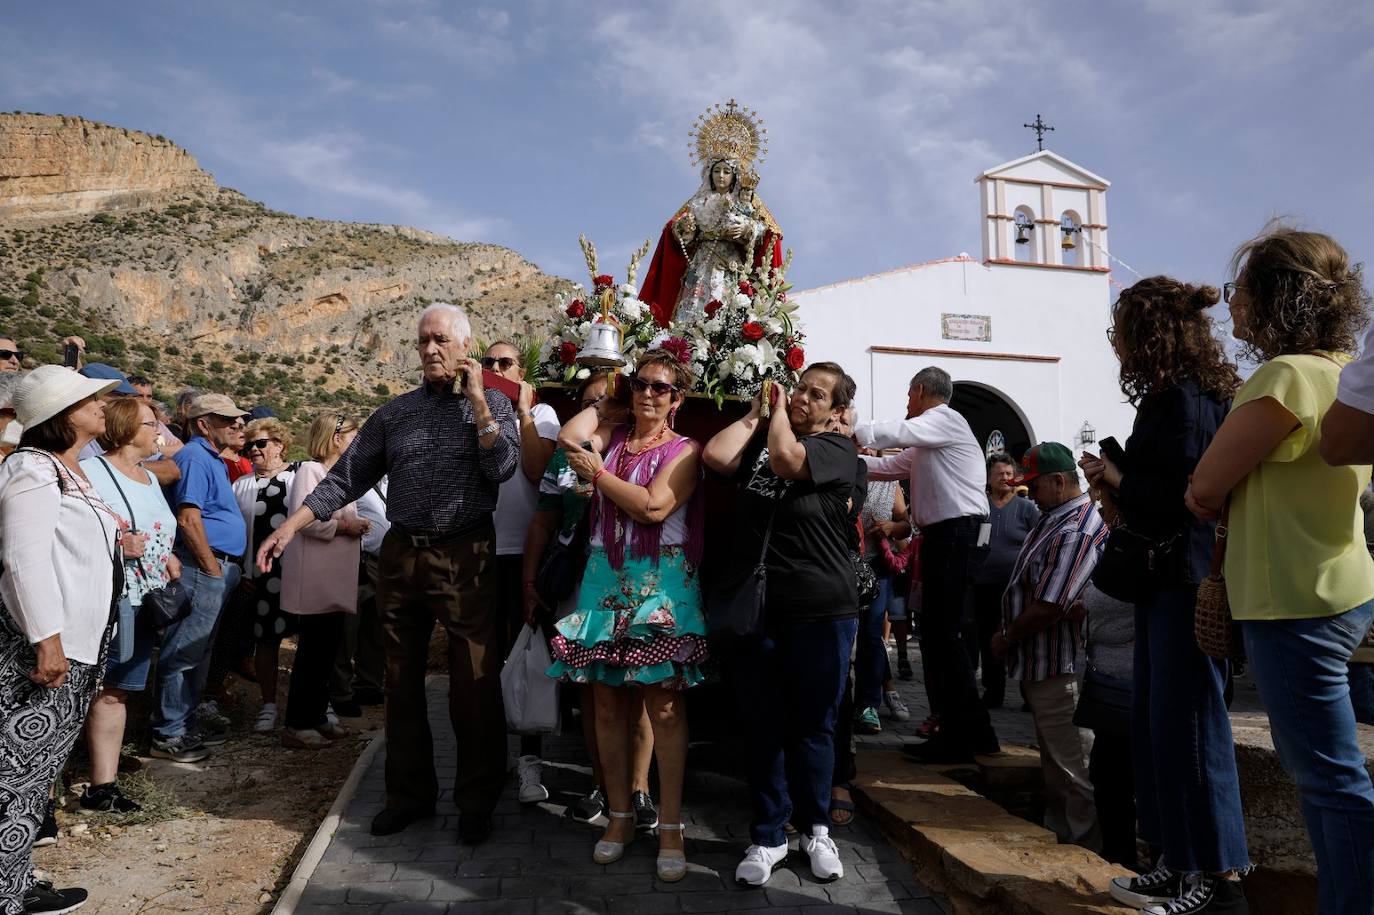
640	624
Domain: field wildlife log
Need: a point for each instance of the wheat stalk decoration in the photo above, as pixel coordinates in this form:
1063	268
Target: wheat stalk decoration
633	270
589	252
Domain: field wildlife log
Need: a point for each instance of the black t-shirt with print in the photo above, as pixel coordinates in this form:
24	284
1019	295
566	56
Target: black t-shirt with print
810	575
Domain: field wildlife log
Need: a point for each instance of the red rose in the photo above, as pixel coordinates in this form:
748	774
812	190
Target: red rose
577	308
567	353
747	288
795	359
752	330
713	306
604	281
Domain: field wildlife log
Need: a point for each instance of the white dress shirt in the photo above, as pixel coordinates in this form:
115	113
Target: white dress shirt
942	459
57	553
372	506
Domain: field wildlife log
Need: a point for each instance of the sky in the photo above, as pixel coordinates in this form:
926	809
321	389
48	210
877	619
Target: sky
527	123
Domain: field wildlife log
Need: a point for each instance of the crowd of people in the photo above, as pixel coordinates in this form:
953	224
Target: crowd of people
143	550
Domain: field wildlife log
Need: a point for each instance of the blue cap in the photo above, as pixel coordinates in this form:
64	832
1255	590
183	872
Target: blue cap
261	411
109	373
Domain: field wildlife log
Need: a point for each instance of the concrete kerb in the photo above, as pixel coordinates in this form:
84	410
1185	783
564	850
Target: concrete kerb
314	852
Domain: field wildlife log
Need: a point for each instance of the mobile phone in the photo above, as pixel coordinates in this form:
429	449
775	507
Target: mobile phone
69	355
588	446
1112	450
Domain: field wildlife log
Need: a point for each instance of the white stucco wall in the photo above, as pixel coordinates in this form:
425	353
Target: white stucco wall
1034	311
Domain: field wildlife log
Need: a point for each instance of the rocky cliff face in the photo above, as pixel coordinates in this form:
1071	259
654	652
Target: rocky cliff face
189	283
53	166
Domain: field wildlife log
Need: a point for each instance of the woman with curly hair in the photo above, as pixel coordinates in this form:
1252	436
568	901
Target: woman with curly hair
638	629
1174	371
1298	575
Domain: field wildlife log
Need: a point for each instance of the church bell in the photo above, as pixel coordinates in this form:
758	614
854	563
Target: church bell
1067	241
602	349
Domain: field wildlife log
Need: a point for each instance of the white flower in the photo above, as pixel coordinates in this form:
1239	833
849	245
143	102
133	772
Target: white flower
773	324
725	368
714	326
629	291
546	348
742	300
583	329
633	308
658	339
583	374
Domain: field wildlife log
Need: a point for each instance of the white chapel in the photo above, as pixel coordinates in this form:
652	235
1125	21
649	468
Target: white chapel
1022	331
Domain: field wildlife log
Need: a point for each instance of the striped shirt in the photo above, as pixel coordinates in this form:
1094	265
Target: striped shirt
440	480
1055	564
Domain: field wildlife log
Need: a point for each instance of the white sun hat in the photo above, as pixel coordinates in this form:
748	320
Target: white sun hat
50	389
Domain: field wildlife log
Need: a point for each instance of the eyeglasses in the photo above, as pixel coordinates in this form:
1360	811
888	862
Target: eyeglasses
1111	334
15	354
258	443
660	388
1228	290
505	362
149	425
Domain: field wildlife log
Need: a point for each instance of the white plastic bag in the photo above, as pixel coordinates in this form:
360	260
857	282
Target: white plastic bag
531	697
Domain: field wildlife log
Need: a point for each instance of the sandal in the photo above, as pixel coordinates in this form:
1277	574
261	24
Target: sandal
841	809
672	862
611	852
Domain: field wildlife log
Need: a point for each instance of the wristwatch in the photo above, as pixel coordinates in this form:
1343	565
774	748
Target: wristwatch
488	429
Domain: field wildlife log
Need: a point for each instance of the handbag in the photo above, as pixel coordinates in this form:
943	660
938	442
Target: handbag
1130	564
162	606
562	565
737	609
1216	632
1104	703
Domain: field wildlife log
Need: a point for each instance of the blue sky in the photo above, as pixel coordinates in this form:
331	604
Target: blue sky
527	123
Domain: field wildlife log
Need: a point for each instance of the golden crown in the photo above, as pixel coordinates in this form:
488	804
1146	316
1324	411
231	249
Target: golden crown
728	132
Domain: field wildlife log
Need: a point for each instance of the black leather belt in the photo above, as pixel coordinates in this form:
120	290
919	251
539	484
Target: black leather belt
423	539
185	553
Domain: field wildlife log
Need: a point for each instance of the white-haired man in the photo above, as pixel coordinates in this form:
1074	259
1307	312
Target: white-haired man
445	447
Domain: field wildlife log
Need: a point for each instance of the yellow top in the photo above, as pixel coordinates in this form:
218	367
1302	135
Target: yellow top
1297	546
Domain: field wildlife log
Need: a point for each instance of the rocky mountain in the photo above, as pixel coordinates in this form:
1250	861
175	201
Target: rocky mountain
121	237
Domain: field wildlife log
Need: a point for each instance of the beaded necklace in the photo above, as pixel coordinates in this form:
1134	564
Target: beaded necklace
626	460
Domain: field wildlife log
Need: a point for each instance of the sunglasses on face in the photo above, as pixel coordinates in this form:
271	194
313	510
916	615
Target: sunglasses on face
490	363
590	402
15	354
259	444
1228	290
660	388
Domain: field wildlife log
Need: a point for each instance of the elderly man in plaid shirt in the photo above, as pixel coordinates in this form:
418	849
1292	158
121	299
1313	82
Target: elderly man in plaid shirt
1043	643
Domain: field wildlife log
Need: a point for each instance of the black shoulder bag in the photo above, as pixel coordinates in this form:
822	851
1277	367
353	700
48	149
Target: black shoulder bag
1131	564
563	564
163	606
737	609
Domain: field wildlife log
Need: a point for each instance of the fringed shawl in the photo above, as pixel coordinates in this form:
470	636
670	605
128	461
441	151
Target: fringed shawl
644	539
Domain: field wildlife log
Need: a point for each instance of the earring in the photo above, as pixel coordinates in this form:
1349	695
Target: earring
672	417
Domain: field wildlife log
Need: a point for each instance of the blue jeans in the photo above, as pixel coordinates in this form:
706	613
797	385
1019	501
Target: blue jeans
1300	669
789	683
870	654
184	661
1362	692
1187	788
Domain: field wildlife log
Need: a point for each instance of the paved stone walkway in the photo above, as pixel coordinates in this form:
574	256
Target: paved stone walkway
537	860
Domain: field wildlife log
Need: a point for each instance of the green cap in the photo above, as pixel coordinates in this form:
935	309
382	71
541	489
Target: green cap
1046	457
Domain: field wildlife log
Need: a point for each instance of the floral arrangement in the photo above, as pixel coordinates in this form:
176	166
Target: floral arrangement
749	335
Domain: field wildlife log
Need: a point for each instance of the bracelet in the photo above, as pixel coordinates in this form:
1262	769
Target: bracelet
596	476
488	429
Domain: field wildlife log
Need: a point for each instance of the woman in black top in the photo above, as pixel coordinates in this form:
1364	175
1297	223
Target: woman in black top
1176	373
802	477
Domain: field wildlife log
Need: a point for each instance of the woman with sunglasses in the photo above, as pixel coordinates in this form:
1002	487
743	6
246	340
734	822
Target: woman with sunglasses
319	583
261	496
638	627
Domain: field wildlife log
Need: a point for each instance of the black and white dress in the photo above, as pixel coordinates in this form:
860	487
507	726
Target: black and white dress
263	501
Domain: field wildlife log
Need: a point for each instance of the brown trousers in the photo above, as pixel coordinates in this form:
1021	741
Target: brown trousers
455	585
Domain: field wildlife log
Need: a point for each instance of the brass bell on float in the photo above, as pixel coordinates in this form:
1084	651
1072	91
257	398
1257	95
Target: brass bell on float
602	349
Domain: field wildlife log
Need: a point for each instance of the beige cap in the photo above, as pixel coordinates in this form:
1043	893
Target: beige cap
214	405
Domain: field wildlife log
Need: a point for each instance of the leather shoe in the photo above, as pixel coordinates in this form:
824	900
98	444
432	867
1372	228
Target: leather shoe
473	828
938	752
394	819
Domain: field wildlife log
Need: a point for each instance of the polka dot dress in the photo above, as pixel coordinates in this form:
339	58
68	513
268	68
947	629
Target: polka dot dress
270	622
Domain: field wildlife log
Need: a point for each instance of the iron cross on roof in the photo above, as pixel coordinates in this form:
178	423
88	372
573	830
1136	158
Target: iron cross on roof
1040	128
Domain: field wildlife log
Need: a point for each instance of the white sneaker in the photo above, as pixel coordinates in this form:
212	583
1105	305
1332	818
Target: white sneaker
895	706
825	857
267	718
758	864
532	790
330	717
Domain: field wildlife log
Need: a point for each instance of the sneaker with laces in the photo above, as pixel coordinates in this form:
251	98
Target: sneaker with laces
184	748
758	864
646	814
209	714
866	722
1204	893
589	807
895	706
530	771
207	734
47	833
106	798
1160	885
41	897
266	721
825	857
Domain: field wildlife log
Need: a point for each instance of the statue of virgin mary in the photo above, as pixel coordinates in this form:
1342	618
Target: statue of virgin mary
710	238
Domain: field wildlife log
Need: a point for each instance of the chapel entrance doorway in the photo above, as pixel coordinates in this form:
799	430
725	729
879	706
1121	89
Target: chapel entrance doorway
989	412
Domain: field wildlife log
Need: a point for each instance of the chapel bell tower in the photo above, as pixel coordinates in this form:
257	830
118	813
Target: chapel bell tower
1044	211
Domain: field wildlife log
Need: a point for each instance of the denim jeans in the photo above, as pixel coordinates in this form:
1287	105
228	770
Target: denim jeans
184	662
789	683
1300	669
1362	692
1187	789
870	654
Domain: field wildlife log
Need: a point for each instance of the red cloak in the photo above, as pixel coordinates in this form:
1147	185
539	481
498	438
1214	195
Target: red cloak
663	282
